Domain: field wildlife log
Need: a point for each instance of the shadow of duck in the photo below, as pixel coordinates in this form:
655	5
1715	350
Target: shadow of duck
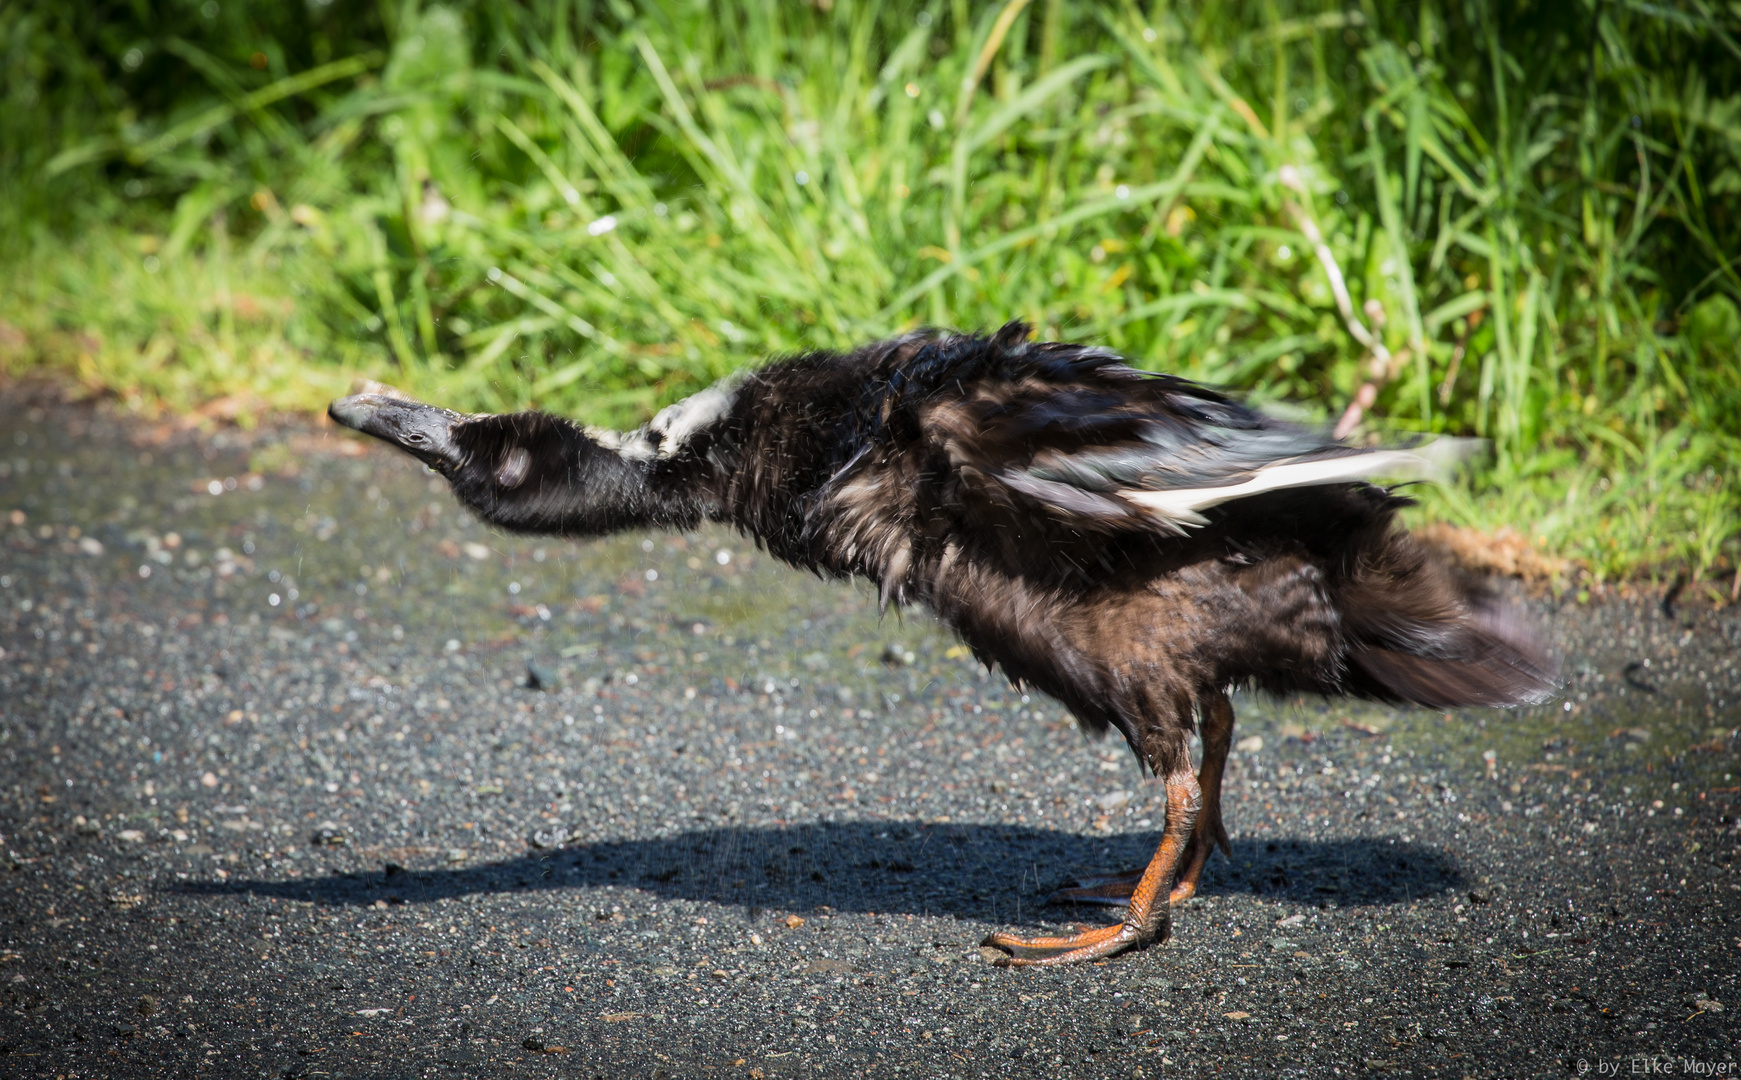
969	871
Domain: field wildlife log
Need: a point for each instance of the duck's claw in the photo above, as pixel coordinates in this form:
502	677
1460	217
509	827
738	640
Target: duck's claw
1112	890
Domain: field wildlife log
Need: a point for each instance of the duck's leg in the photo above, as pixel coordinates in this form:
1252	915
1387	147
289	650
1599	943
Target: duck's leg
1209	833
1115	889
1149	916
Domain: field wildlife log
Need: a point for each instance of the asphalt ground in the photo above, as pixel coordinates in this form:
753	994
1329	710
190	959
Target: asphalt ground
304	773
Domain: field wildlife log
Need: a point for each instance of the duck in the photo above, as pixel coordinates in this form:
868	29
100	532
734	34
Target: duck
1133	544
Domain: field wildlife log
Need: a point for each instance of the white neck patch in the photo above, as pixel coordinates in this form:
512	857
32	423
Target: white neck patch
670	431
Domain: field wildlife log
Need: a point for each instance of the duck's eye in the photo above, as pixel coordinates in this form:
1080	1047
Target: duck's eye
416	437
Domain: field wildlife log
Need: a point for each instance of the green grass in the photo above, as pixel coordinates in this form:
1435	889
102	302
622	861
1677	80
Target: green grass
596	208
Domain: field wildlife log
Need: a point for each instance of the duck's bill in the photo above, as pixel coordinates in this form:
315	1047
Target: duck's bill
423	431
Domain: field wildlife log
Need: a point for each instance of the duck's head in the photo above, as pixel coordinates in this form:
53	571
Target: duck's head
426	432
527	471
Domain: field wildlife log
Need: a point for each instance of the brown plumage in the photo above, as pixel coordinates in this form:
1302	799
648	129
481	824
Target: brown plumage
1132	544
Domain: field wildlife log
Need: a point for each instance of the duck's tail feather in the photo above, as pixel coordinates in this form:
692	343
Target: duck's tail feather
1475	667
1415	633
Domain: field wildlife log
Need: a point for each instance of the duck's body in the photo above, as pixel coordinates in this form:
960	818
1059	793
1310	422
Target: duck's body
1131	544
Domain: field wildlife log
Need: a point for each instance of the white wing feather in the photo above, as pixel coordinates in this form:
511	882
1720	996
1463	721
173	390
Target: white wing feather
1180	506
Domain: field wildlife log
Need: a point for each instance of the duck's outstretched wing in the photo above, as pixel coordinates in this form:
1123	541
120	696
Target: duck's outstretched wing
1078	436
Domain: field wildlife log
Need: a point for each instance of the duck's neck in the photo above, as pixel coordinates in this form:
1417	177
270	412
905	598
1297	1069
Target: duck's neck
530	472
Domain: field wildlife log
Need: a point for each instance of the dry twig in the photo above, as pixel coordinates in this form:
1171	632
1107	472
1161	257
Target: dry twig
1384	363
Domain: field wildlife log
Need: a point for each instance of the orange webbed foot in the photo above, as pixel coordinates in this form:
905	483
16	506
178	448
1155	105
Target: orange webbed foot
1148	918
1075	948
